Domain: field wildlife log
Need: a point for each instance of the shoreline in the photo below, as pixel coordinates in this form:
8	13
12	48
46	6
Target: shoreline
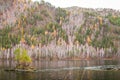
68	59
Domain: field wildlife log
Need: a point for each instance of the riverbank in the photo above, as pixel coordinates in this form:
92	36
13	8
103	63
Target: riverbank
68	58
62	52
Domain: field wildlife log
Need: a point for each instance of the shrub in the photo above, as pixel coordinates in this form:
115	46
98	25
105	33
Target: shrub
7	39
61	13
22	57
114	20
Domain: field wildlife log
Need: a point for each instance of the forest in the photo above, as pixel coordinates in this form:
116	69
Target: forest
39	41
52	33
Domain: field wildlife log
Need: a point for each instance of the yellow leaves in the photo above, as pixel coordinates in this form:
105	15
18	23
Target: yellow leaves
3	49
29	0
61	19
95	25
19	23
88	39
67	12
33	38
32	46
46	32
60	22
100	19
22	40
40	44
54	33
32	10
24	18
22	31
9	35
114	16
25	6
77	42
59	41
21	1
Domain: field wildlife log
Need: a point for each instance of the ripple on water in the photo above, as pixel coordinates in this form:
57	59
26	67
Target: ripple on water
104	68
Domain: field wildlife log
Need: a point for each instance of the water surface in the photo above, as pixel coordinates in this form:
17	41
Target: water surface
61	70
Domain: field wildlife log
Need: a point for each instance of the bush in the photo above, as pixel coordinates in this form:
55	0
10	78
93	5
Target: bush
61	13
114	20
7	40
105	42
38	17
45	13
22	57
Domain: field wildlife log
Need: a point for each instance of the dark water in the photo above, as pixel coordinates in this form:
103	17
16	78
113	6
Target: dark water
61	70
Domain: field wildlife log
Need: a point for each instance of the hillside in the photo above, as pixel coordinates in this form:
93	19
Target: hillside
57	33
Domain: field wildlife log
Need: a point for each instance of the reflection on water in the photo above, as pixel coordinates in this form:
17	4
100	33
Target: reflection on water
58	73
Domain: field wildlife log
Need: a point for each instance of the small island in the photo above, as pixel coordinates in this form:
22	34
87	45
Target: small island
23	61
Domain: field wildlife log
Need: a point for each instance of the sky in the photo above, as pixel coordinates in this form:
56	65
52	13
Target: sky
114	4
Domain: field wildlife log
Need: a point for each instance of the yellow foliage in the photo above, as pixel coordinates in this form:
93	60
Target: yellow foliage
22	31
114	16
19	22
24	18
32	46
29	0
54	33
95	25
21	0
8	34
68	13
100	19
3	49
40	44
77	42
22	40
25	6
33	38
46	32
61	19
59	42
88	39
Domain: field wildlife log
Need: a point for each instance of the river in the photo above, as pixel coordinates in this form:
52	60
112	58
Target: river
62	70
